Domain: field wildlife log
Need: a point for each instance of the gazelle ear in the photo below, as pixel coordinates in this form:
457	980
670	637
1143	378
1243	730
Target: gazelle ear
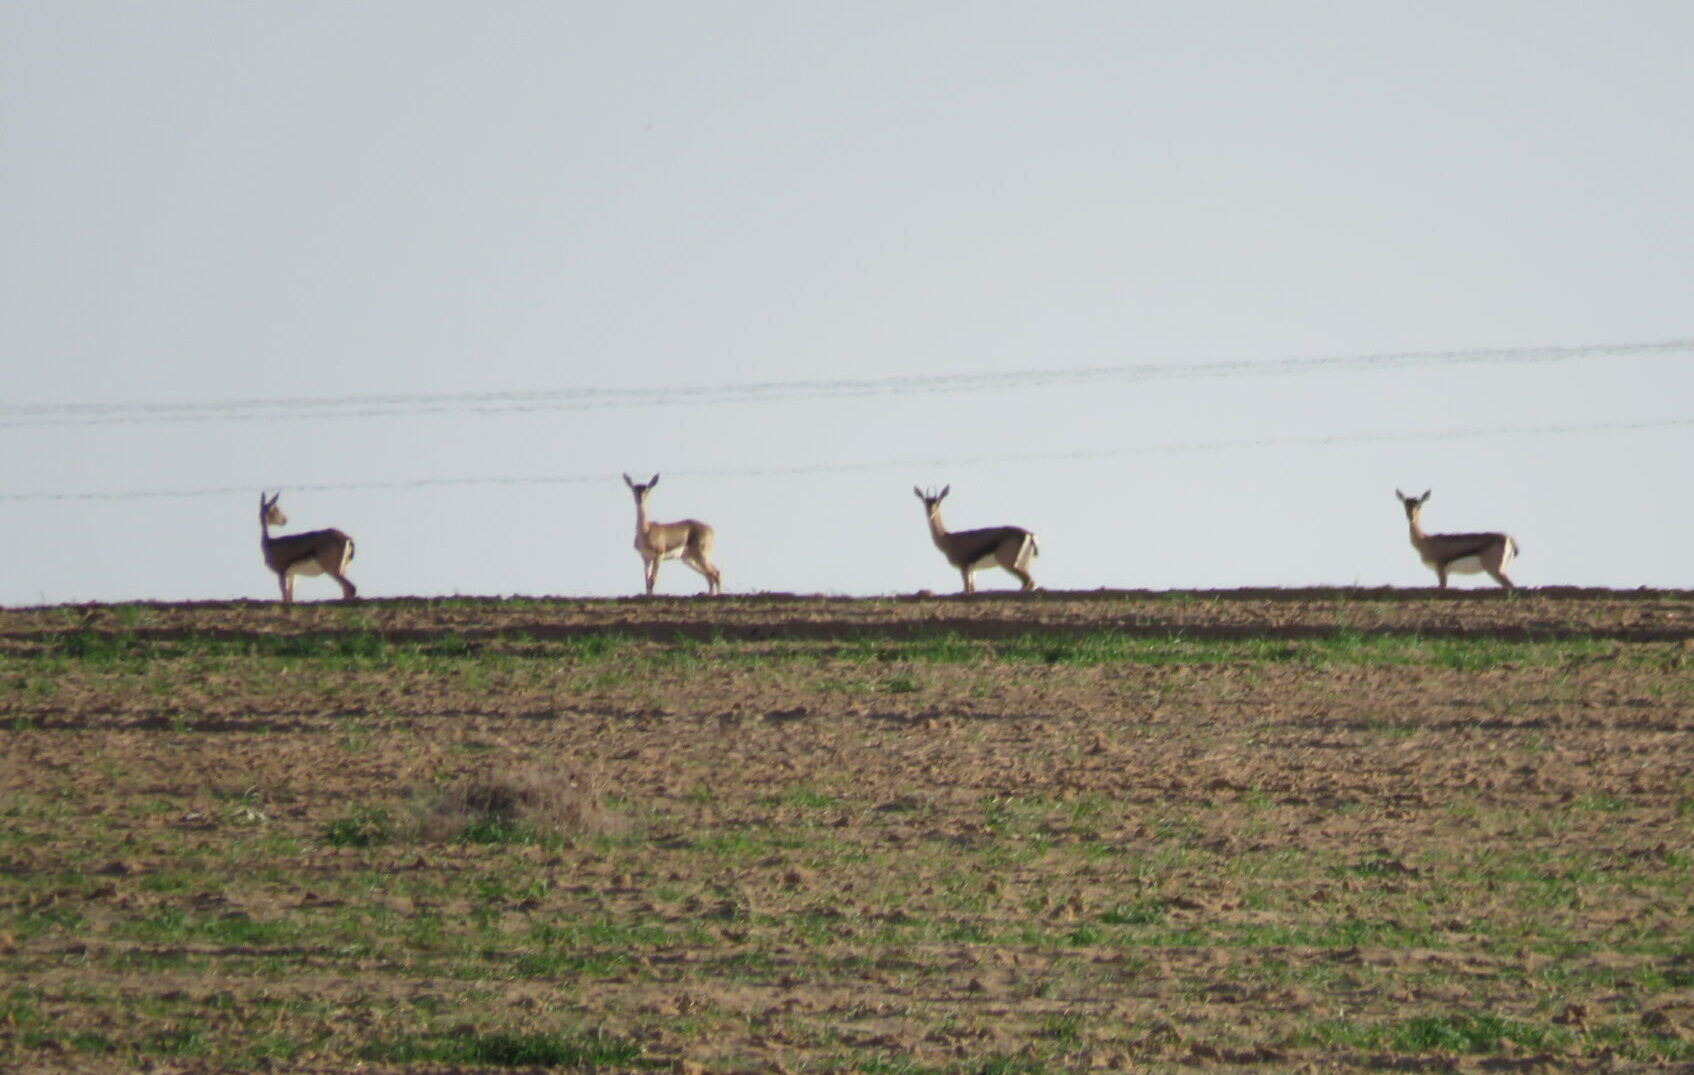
917	492
945	489
654	482
1424	497
1399	494
627	480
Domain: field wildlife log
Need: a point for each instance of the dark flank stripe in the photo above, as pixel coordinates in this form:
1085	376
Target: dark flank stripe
309	542
1475	546
981	544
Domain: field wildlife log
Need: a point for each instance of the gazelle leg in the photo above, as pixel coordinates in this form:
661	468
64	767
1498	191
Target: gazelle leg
1018	565
1495	565
704	566
348	590
699	567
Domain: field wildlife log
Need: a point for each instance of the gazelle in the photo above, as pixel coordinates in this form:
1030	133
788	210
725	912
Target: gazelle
1467	554
1011	547
689	540
316	552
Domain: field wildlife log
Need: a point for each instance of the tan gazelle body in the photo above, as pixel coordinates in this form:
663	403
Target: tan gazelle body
1010	547
689	541
316	552
1465	554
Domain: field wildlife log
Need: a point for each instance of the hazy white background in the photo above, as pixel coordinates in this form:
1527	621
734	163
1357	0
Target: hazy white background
211	202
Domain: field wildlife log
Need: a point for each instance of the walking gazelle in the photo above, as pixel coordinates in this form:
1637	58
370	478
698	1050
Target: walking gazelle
689	540
1010	547
1467	554
316	552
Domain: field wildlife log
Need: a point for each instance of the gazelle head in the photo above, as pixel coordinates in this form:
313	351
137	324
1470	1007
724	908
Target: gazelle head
1412	504
640	489
269	512
932	500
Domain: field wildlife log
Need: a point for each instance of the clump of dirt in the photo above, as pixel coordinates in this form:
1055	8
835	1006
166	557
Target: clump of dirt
529	798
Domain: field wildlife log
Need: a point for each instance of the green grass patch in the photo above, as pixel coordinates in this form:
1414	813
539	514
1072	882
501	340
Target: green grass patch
362	826
497	830
1447	1033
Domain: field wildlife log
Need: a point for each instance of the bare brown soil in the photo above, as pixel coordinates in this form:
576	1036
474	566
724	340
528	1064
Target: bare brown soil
1468	846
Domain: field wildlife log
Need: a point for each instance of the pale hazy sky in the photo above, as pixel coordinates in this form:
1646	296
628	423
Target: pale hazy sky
430	203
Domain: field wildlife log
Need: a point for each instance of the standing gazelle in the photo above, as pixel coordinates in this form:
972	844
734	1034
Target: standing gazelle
1011	547
316	552
1467	554
689	540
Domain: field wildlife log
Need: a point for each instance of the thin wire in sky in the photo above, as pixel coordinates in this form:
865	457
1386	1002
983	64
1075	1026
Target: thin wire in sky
20	416
1169	448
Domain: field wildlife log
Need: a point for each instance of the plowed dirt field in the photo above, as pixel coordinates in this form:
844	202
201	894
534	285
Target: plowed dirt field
1255	830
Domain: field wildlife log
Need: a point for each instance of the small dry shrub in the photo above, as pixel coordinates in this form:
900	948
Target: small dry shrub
517	804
